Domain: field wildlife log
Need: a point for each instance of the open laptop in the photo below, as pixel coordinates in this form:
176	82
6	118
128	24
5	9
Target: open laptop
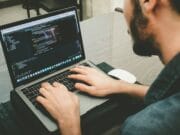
43	49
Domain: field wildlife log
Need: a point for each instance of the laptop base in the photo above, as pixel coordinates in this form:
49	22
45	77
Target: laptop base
26	115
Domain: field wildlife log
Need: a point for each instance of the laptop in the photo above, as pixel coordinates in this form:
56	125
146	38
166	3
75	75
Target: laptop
43	49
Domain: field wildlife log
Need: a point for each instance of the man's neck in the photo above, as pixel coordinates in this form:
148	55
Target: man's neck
168	37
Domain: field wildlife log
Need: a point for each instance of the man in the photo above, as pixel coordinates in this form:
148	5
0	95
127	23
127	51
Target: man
155	28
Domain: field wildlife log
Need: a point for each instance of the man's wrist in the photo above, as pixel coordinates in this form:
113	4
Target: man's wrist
70	127
122	87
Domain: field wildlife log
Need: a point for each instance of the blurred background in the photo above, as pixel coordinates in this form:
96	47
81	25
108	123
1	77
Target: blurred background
13	10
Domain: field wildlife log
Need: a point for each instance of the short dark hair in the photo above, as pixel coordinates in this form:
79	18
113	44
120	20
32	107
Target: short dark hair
176	5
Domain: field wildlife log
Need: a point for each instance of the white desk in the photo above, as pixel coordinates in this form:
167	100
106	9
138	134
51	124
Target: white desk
105	39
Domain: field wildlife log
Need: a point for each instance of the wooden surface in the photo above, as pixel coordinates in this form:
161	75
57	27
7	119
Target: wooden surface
105	39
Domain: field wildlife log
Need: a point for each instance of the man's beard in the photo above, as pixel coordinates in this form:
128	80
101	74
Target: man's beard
144	43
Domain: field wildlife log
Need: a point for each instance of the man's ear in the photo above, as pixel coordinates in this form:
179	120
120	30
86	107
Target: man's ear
149	6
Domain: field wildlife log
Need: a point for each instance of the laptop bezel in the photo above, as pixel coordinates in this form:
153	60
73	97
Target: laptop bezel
73	8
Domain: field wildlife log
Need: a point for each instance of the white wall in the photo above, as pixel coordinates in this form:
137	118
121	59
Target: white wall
98	7
117	3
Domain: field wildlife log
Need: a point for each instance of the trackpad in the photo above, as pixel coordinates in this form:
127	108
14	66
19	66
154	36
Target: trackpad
89	102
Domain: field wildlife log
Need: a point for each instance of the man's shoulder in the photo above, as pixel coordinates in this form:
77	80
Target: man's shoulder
160	118
167	83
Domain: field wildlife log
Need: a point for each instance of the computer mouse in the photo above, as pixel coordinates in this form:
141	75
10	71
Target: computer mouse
122	75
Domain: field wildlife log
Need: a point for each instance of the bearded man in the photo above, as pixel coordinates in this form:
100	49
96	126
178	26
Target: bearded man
155	29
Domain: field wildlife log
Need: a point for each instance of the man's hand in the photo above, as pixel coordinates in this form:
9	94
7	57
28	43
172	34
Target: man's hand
97	83
63	106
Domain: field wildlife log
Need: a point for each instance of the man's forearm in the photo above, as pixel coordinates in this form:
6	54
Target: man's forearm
137	90
134	90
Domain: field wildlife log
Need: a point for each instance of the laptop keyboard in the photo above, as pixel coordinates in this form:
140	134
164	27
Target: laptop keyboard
33	91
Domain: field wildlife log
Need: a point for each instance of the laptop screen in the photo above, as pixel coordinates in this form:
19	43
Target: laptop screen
37	47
